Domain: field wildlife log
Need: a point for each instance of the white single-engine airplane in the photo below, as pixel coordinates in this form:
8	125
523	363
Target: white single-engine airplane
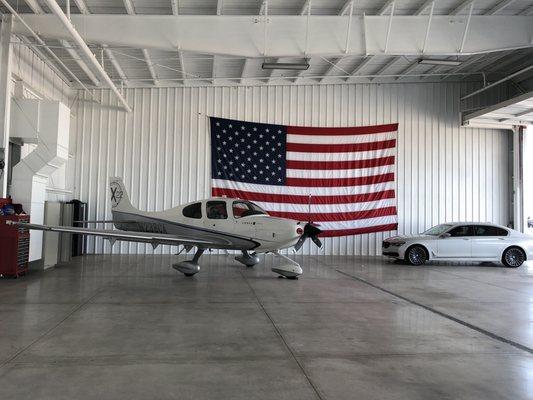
215	223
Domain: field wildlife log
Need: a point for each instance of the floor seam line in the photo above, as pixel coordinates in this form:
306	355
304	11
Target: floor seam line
443	314
74	310
291	352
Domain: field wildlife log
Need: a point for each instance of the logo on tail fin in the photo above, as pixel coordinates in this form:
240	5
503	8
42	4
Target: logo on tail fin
116	194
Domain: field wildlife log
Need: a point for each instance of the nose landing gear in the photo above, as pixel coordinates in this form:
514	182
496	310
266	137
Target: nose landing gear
290	270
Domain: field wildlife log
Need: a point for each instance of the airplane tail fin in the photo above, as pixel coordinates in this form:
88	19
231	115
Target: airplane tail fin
120	201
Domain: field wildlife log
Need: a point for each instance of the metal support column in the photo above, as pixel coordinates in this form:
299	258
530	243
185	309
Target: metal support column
6	51
518	182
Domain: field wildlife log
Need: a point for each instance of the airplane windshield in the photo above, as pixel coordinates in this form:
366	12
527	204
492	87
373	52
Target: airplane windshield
243	208
438	230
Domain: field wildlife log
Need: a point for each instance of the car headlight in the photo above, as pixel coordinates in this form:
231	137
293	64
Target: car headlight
397	244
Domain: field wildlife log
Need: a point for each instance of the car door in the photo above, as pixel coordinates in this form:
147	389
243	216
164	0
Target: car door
457	245
488	242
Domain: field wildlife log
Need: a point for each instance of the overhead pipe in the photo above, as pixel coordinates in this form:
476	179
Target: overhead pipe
52	4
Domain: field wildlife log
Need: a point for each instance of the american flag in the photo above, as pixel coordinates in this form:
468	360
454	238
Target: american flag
340	178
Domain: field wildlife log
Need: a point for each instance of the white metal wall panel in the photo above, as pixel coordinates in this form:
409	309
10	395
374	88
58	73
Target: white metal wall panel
444	172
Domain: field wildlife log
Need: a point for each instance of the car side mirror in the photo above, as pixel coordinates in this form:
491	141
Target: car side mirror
445	235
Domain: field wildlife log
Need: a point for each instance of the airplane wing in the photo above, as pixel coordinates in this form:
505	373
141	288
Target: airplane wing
155	239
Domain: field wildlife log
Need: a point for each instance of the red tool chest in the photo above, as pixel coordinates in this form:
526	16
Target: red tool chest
14	245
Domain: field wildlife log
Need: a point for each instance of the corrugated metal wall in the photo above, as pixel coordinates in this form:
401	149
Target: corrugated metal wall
444	172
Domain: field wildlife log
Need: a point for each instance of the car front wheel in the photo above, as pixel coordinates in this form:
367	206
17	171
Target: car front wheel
513	257
416	255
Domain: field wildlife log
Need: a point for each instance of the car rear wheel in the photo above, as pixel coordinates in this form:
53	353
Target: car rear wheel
416	255
513	257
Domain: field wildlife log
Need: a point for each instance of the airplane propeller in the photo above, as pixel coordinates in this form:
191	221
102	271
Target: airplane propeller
310	231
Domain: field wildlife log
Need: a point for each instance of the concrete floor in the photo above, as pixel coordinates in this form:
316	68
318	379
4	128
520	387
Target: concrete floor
129	327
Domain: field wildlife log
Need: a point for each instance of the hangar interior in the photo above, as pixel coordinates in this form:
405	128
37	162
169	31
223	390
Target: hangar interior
93	89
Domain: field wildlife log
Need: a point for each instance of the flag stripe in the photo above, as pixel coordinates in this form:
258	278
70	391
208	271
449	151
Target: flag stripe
332	217
334	165
341	173
362	180
299	199
360	155
333	208
358	223
310	139
302	191
361	130
340	148
359	231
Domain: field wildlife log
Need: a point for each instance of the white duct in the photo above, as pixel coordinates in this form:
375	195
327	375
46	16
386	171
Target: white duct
49	123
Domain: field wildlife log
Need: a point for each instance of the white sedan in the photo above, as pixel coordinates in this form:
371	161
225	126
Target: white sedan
462	241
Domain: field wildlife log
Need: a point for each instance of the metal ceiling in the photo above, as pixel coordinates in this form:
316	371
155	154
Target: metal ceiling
137	67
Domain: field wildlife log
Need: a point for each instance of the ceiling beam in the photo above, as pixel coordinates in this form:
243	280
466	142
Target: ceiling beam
407	70
432	70
150	66
76	57
67	24
85	10
35	6
499	7
303	11
115	64
37	9
128	5
214	67
385	67
130	9
175	7
358	67
82	6
346	7
389	4
182	67
333	64
197	33
214	70
385	7
527	11
461	7
464	64
423	7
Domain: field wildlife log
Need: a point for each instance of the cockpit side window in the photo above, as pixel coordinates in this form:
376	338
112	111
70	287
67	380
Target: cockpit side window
245	208
193	211
216	210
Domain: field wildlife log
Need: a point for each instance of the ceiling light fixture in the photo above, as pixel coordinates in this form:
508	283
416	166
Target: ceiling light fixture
288	66
434	61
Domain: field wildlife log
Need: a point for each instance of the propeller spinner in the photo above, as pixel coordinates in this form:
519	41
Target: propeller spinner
310	231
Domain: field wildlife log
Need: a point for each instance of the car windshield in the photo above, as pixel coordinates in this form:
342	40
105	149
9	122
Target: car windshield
438	230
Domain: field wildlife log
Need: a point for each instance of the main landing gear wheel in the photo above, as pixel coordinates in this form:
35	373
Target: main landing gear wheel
513	257
247	259
416	255
189	267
